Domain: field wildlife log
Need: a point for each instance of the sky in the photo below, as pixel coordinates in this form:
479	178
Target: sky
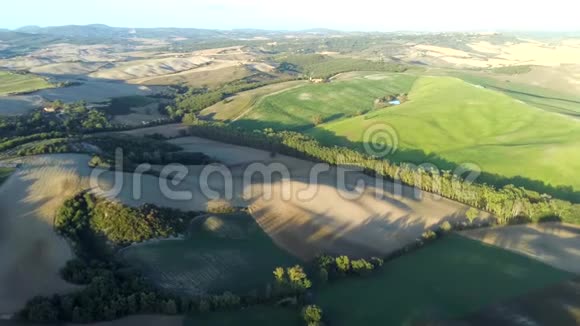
358	15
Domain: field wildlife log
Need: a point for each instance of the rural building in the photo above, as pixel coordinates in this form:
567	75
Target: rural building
394	102
317	80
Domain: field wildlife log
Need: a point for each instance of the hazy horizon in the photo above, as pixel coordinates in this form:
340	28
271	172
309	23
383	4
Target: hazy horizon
362	15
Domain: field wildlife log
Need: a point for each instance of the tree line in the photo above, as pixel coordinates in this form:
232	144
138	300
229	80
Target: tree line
509	204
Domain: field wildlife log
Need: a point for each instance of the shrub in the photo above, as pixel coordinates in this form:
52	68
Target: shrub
471	214
298	278
317	119
445	227
361	266
343	264
377	262
312	314
429	235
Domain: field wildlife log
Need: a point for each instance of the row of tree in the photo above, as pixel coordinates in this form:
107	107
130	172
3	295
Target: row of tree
508	204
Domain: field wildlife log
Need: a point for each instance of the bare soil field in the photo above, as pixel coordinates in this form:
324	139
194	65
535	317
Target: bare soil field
68	68
307	217
313	219
201	77
486	54
552	243
151	67
32	253
564	78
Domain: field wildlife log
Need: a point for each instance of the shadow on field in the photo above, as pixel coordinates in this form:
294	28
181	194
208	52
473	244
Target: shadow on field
554	305
371	226
416	156
553	243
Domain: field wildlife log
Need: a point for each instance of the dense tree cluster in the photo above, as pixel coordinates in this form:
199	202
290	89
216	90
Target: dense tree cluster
68	118
85	218
112	290
508	204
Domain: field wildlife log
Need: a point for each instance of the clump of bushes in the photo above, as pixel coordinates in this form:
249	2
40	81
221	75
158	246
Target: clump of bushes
312	315
334	267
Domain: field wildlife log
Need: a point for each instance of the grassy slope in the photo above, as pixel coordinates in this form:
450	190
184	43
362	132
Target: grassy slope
251	316
463	123
542	98
239	265
228	110
295	108
11	83
553	305
450	278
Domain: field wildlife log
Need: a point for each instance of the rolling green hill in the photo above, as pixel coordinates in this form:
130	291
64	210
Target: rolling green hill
296	107
460	122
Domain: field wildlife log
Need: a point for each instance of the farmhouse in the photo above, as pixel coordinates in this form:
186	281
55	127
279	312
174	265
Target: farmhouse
317	80
49	109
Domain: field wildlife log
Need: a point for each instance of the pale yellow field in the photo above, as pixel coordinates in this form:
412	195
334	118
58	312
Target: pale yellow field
200	77
31	252
552	243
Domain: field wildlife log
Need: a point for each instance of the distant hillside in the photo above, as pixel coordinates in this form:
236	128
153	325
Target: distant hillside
104	31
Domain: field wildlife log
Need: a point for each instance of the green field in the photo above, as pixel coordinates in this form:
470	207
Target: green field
12	83
231	253
296	108
450	121
239	104
255	316
4	174
450	278
553	305
539	97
